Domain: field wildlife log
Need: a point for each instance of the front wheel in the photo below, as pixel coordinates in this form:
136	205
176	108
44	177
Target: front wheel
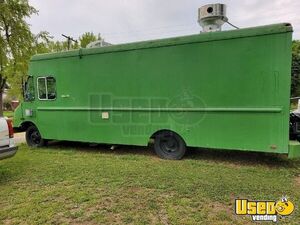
169	145
34	138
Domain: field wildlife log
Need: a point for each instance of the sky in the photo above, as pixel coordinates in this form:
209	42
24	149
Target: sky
123	21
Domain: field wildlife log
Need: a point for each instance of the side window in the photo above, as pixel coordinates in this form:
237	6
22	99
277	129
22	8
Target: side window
42	88
46	88
51	88
28	89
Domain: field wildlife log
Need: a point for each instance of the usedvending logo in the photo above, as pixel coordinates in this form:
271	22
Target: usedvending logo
264	210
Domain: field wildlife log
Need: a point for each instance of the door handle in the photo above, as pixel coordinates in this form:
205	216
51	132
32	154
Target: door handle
65	96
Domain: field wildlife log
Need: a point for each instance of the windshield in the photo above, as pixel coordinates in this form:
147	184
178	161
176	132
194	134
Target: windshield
29	90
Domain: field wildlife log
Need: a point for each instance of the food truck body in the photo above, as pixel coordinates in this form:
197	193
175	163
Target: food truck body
226	90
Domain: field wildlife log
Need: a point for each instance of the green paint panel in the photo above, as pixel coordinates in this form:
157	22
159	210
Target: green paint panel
225	90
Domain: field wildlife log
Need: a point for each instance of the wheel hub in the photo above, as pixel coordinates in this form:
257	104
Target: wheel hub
36	137
169	144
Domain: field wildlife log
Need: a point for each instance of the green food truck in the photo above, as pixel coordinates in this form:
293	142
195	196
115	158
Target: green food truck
225	90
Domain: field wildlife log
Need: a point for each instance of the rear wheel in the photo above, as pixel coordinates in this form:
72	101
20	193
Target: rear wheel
169	145
34	138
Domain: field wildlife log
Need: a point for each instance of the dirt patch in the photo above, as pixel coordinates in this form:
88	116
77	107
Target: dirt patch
8	222
221	212
217	207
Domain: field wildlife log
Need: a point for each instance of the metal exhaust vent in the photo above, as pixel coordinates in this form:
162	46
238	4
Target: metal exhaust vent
212	17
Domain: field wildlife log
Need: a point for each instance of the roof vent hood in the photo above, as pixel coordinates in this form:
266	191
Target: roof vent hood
212	17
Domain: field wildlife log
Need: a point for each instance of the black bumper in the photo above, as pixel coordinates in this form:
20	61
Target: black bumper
8	152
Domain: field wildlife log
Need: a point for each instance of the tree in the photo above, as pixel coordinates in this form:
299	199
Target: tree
296	47
49	46
88	38
18	44
15	70
15	39
41	43
295	89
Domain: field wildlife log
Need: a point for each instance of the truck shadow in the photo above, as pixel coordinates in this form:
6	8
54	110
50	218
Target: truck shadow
242	158
238	158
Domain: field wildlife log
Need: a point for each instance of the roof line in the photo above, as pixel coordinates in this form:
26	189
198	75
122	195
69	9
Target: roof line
191	39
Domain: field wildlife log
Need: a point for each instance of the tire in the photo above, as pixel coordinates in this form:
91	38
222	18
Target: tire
34	138
169	145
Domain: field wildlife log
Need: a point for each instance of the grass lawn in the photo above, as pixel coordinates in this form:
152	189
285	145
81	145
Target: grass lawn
71	183
8	114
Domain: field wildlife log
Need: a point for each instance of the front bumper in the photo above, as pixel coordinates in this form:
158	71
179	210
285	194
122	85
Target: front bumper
8	152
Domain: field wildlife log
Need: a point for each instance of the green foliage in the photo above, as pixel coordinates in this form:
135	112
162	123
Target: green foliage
16	41
295	89
87	38
16	69
40	44
9	114
18	44
16	37
45	44
296	47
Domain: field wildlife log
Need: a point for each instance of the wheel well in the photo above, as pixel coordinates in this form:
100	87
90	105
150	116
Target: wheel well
166	130
26	125
157	132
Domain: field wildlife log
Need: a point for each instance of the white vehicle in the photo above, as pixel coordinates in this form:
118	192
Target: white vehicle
7	144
